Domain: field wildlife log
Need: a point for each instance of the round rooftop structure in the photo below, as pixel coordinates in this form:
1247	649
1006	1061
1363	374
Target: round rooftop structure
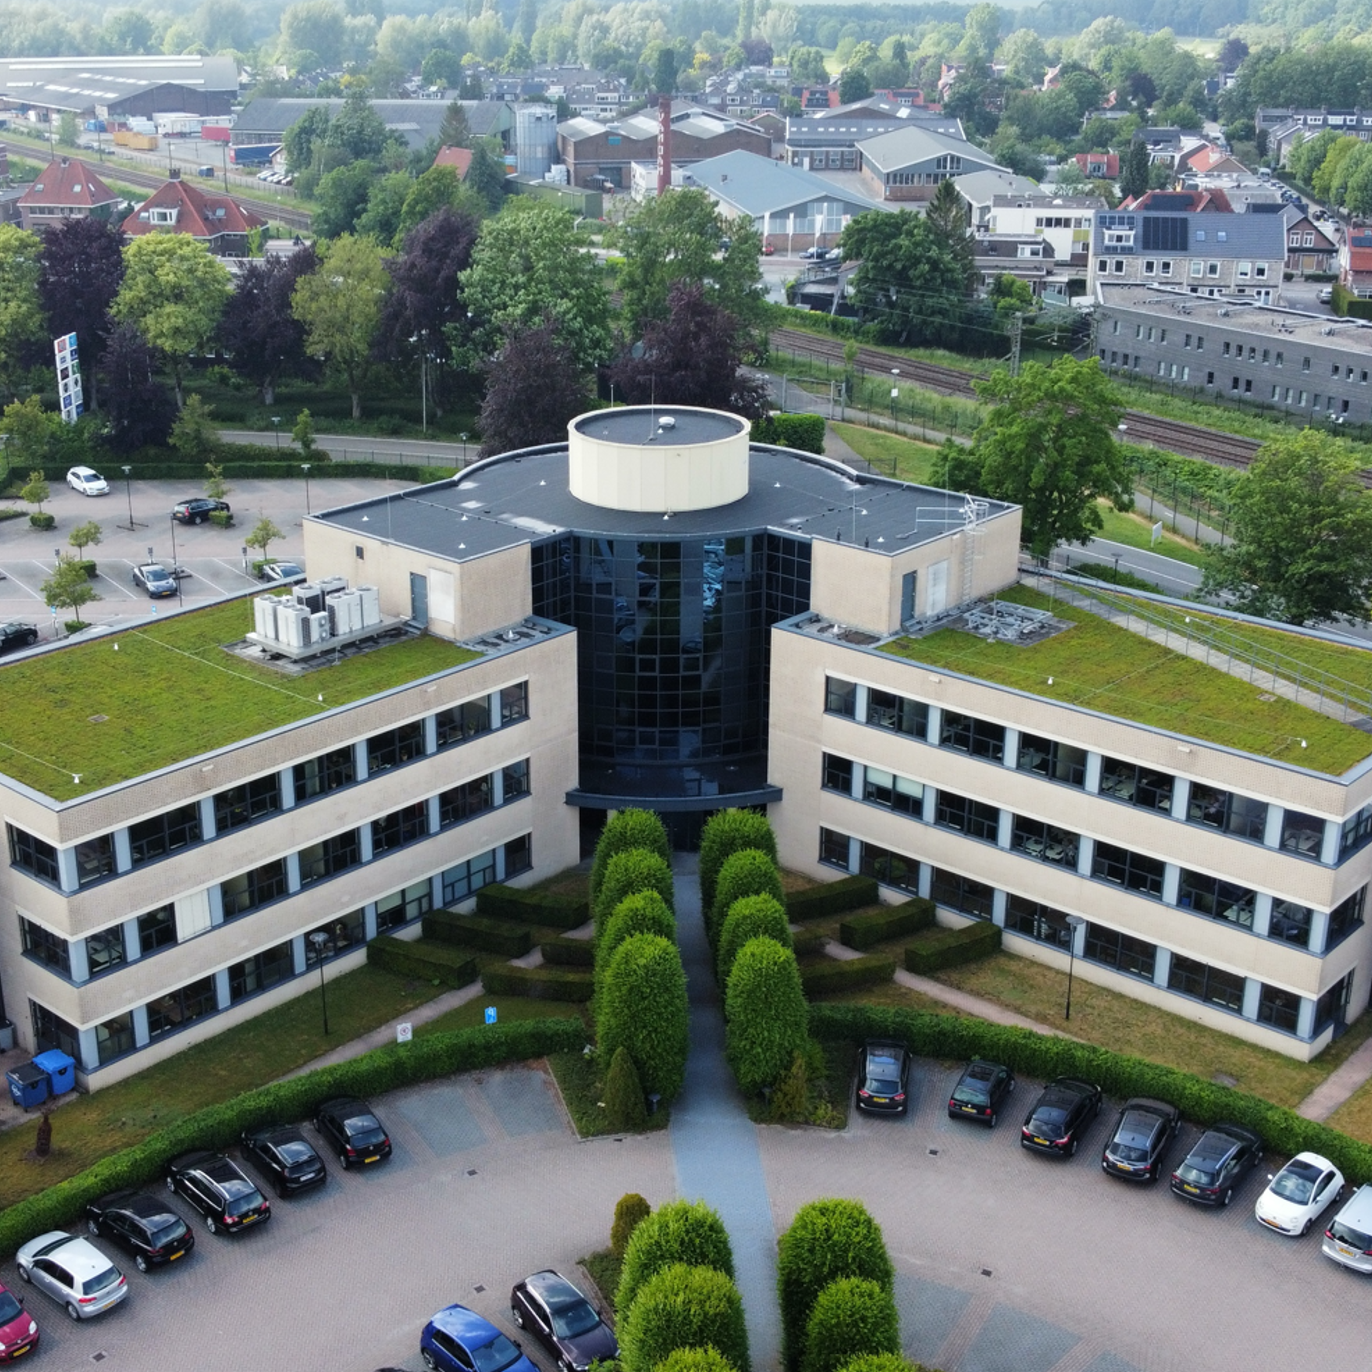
658	458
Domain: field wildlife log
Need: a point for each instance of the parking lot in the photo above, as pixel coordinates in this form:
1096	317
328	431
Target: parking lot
213	558
1006	1262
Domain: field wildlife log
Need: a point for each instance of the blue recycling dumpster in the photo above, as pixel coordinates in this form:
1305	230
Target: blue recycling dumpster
61	1070
28	1085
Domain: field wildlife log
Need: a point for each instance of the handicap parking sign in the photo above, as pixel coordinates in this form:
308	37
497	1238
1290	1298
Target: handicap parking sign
490	1014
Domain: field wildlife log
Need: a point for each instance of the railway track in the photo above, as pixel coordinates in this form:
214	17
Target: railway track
268	209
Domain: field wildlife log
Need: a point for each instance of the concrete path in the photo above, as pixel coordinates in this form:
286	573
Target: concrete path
714	1143
1339	1085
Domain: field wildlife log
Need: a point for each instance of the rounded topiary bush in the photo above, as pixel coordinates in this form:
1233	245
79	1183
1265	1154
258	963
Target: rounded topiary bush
750	918
881	1362
749	872
828	1239
695	1360
625	1107
851	1315
766	1019
643	913
642	1007
630	1211
683	1307
791	1098
681	1231
725	833
625	830
626	874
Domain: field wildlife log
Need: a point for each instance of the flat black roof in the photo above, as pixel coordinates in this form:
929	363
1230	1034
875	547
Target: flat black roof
523	498
640	425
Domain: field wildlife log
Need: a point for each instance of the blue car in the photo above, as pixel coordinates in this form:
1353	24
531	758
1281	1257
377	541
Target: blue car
459	1340
155	579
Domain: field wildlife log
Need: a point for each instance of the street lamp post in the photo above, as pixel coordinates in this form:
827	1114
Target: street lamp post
1074	922
305	467
276	424
128	491
174	568
464	449
319	939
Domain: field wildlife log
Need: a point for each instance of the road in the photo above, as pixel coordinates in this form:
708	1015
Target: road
365	448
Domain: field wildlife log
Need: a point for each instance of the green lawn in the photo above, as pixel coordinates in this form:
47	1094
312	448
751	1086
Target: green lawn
240	1059
96	713
1103	667
1136	531
904	458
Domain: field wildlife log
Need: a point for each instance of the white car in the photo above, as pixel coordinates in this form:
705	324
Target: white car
88	482
1299	1194
74	1272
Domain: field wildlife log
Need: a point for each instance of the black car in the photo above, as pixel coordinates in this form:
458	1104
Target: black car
143	1225
282	1154
563	1321
197	511
229	1202
1217	1162
980	1092
1060	1116
1139	1142
883	1077
16	635
356	1134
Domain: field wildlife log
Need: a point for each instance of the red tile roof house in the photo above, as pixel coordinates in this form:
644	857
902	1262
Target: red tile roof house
65	189
1099	166
459	159
178	207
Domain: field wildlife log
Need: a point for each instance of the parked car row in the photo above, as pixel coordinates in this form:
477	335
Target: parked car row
85	1282
1138	1146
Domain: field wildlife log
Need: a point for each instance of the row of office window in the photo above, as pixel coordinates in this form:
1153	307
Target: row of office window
1043	841
1127	783
238	806
208	995
1102	944
246	892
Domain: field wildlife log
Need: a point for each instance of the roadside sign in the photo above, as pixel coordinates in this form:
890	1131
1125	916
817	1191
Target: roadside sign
1157	532
404	1033
68	366
490	1014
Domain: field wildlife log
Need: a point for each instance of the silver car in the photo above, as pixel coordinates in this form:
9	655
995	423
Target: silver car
1348	1240
74	1272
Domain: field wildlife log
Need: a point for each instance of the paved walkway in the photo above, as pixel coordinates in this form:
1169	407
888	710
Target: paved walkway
714	1143
1339	1085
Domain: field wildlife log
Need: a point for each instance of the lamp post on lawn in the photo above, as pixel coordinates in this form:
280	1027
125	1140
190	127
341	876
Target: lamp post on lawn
464	449
319	939
174	568
128	491
305	467
1074	922
276	424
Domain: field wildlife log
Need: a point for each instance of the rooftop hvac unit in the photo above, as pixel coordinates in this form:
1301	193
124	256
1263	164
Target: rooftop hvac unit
291	620
310	596
330	584
370	598
264	616
319	627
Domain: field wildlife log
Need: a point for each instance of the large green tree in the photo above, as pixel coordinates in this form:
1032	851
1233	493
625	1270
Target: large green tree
911	285
21	310
675	238
173	292
527	265
340	306
947	215
1302	534
1048	445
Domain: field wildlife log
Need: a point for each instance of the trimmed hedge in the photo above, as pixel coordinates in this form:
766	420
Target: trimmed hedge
645	912
271	471
1045	1056
220	1126
749	918
748	872
572	984
891	921
802	431
680	1231
852	974
833	898
624	830
766	1023
625	1106
727	832
850	1316
807	941
953	948
695	1360
641	1004
568	952
684	1307
499	901
626	874
630	1211
427	961
472	931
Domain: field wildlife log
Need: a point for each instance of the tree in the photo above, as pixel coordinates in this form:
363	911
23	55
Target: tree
911	285
216	487
533	388
194	435
807	67
342	198
630	1211
946	215
625	1107
727	832
1134	169
1302	534
827	1240
1048	445
528	264
174	292
694	357
36	491
264	339
68	588
749	872
684	1307
626	829
454	131
1009	295
302	435
681	1231
84	536
443	69
675	238
642	1007
853	85
486	175
357	129
645	912
437	189
340	306
264	533
81	267
308	133
28	431
696	1360
21	311
749	918
380	221
765	1014
851	1316
626	874
138	410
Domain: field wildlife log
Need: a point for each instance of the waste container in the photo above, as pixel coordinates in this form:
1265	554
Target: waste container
28	1085
61	1070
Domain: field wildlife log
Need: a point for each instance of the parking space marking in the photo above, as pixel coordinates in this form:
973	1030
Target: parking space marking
443	1121
27	590
123	590
521	1102
239	572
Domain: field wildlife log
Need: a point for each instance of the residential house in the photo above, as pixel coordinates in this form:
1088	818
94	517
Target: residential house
1213	200
1356	121
1025	256
1208	160
65	189
1098	166
908	163
1308	247
1062	221
1355	264
176	206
